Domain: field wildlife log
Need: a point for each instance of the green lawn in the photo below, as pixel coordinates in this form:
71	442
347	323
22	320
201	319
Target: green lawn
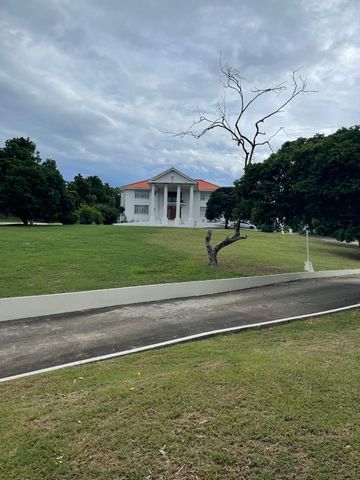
279	403
38	260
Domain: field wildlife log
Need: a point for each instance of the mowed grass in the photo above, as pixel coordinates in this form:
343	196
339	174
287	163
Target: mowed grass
39	260
280	403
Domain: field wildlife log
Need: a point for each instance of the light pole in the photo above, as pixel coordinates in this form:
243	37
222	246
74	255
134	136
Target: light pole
308	265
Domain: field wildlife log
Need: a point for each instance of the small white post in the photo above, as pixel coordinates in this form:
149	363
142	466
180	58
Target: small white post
307	247
308	265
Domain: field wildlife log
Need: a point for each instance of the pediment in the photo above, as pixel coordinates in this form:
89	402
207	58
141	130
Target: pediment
172	175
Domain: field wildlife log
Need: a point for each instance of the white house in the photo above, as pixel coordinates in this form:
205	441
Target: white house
170	198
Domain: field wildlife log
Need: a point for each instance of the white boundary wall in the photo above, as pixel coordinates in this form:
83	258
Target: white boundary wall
43	305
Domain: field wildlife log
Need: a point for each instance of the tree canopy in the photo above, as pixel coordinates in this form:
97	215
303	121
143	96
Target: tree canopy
221	204
32	189
91	191
313	181
23	182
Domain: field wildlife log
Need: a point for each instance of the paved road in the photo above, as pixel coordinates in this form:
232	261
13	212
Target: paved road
27	345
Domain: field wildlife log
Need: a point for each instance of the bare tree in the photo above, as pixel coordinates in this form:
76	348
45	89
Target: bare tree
232	80
237	129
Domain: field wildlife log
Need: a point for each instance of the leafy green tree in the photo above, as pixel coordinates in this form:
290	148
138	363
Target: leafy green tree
221	204
55	204
99	190
117	193
266	191
35	190
22	180
82	188
68	214
331	187
313	181
92	191
89	190
31	189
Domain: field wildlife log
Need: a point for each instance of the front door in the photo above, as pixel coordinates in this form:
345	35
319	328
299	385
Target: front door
171	213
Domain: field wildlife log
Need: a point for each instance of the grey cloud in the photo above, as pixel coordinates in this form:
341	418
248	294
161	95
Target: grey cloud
95	83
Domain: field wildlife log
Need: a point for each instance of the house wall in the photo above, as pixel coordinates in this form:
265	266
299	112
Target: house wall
129	201
200	204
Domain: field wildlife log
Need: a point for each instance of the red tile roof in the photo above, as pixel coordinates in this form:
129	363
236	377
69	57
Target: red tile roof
201	185
143	184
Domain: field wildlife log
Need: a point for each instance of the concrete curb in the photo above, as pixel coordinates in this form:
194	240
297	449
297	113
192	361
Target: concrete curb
15	308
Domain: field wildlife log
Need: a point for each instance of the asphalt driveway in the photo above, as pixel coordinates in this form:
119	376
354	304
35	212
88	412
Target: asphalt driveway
33	344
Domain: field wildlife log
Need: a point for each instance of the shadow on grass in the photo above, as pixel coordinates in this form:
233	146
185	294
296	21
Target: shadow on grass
21	225
351	253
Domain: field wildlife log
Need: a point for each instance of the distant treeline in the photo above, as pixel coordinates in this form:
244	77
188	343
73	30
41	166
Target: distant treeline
32	189
312	182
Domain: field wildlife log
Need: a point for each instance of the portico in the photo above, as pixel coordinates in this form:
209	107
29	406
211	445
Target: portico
171	198
174	203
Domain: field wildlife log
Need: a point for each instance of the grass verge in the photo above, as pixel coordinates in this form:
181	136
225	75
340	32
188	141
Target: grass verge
275	403
39	260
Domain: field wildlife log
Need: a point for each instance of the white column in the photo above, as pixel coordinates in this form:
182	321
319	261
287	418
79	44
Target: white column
165	219
178	194
152	205
191	206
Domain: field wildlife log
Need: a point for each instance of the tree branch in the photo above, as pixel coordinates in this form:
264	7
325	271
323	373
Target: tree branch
233	81
213	251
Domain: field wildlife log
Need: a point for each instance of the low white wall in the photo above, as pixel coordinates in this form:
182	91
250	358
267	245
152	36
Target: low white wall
43	305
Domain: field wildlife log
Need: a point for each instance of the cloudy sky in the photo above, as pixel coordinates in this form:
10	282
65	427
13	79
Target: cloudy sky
95	84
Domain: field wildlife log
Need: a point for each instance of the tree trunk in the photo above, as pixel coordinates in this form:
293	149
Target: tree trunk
226	223
210	251
25	221
213	259
213	251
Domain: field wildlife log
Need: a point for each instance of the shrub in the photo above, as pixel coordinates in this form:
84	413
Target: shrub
69	218
109	214
88	215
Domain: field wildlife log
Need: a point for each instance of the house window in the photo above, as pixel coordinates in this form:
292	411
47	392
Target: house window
172	196
202	196
141	194
202	212
141	209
